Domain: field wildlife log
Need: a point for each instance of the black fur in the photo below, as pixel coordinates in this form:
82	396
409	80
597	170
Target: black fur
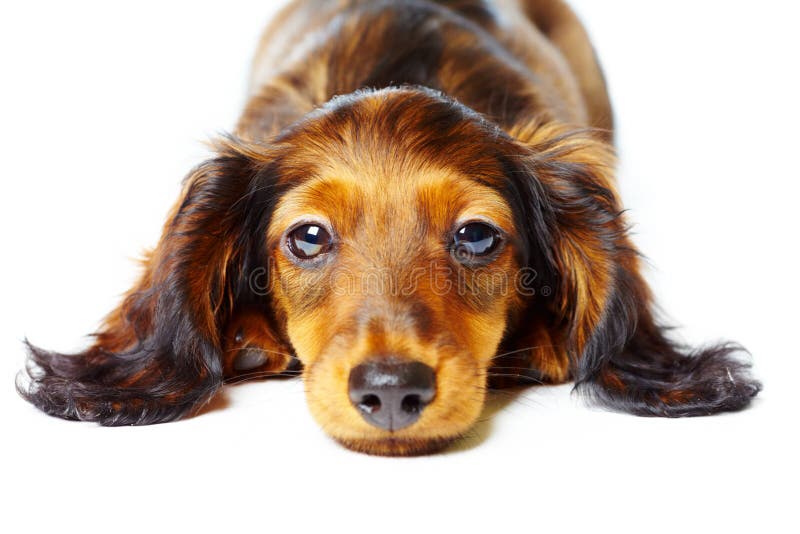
174	367
629	364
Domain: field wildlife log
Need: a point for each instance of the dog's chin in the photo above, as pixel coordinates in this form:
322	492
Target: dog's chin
392	446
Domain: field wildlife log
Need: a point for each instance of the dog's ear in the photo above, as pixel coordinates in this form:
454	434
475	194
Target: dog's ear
157	357
593	318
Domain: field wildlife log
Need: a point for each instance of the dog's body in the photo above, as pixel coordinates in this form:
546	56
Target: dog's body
455	148
505	59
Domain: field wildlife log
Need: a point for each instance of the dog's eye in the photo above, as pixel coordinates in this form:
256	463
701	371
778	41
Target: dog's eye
309	240
475	239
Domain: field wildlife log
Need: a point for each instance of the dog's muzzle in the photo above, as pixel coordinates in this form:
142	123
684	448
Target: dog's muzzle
391	393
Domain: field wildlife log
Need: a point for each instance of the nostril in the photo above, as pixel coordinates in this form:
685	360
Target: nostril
370	403
411	404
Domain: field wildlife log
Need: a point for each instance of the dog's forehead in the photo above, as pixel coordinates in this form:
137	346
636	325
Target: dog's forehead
396	133
370	201
399	160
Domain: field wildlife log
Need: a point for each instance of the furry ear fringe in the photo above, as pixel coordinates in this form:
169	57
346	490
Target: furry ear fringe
157	357
115	389
621	357
663	382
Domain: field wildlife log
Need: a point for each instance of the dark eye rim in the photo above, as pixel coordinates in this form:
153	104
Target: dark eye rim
482	259
286	242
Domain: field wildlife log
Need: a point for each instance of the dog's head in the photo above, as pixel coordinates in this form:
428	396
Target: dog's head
407	238
395	254
394	242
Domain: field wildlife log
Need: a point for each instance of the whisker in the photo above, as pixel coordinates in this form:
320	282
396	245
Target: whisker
250	193
262	350
262	374
523	349
516	375
515	398
517	367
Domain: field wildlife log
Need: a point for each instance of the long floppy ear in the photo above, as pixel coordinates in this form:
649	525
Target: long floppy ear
598	324
157	357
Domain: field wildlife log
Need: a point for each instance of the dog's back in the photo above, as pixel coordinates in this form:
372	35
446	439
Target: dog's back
502	58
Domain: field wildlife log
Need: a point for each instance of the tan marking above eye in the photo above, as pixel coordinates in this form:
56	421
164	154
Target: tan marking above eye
351	199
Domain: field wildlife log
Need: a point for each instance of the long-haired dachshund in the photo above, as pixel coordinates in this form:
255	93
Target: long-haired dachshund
417	204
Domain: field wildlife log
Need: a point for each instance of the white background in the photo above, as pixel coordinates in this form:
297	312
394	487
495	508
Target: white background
104	107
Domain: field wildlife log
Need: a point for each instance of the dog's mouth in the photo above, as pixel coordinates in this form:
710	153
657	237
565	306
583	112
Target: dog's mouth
396	446
394	406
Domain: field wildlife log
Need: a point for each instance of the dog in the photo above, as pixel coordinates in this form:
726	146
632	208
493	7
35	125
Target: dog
416	205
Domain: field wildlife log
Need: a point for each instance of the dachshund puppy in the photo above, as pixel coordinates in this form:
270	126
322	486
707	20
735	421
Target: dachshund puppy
418	203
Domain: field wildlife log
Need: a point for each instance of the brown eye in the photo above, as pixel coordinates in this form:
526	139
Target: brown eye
309	241
475	239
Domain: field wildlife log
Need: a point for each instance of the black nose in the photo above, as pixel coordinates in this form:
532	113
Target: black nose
391	394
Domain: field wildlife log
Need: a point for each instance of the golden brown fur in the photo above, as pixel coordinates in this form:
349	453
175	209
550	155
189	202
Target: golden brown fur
391	124
314	50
